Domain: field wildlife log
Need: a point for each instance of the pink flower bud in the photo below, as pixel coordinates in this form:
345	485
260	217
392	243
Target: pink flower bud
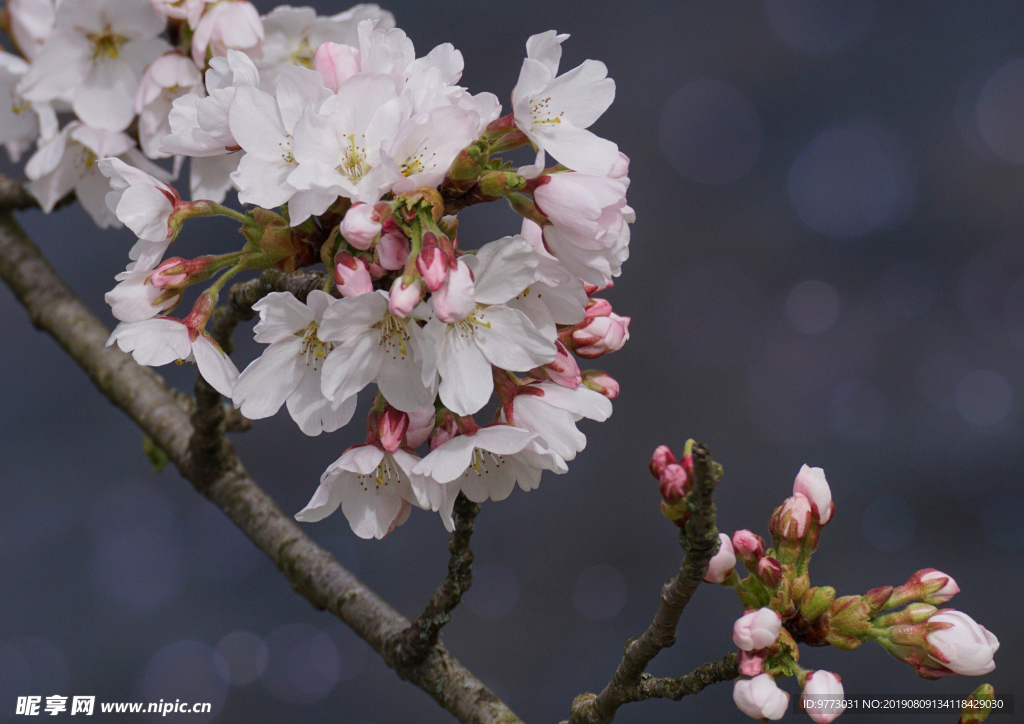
592	289
172	273
421	424
406	293
598	308
791	520
391	427
336	63
965	647
722	563
751	663
760	698
602	383
432	263
392	250
822	697
351	275
660	458
749	546
757	630
945	593
447	428
600	335
812	484
563	370
360	225
673	483
769	571
456	298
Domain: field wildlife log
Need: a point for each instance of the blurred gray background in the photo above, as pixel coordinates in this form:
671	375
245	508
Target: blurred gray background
827	267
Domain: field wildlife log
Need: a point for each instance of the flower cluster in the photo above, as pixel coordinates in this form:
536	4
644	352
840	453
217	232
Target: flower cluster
784	610
357	154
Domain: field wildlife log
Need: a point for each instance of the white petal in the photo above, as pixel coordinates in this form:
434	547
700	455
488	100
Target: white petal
325	500
509	340
352	317
153	342
281	316
269	380
580	150
447	461
313	412
215	366
351	367
466	382
106	98
504	269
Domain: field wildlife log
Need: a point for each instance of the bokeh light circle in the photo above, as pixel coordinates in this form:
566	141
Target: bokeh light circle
709	132
819	27
1000	112
812	307
852	180
187	671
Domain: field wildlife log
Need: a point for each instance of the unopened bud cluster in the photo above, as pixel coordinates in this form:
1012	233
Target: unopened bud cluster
784	610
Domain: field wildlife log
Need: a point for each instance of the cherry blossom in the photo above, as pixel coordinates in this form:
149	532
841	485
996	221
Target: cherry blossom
95	57
373	487
554	110
289	370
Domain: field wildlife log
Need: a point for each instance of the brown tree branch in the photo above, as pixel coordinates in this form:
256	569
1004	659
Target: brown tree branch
425	630
219	475
650	687
700	542
15	196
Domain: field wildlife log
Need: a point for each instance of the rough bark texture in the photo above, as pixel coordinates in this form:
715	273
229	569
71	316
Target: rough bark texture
700	542
206	459
426	628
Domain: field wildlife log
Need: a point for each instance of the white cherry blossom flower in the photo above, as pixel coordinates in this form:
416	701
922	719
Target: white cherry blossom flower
68	162
95	56
493	333
589	222
21	122
426	145
31	24
262	124
338	148
188	10
200	125
552	411
374	488
142	203
292	35
160	341
227	25
487	463
168	77
375	346
289	369
554	110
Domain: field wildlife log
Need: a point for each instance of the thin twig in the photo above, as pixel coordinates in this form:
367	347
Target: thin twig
425	630
650	687
311	571
700	542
